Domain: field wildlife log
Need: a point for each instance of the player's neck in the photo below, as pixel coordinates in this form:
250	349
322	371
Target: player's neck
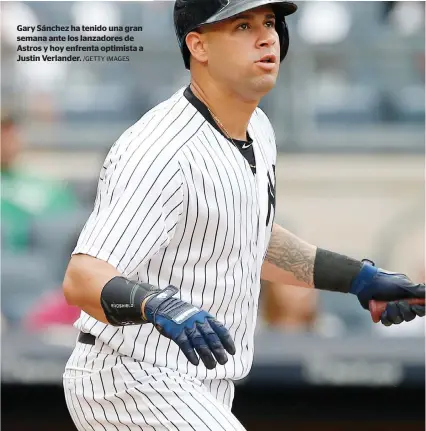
233	113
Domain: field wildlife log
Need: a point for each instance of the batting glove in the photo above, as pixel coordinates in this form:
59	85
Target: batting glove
192	329
381	285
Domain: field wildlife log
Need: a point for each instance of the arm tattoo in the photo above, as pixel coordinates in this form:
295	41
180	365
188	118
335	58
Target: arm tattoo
290	253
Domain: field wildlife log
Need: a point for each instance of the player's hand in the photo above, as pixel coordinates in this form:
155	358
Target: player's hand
381	285
193	330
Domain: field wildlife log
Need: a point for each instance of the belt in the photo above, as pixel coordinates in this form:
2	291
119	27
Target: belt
86	338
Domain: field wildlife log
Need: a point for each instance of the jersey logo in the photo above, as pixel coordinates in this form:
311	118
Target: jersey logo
246	145
271	196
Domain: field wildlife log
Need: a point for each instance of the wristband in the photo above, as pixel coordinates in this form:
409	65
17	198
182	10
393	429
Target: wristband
121	300
335	272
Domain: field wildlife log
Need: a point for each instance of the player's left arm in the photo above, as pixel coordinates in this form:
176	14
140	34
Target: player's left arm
291	260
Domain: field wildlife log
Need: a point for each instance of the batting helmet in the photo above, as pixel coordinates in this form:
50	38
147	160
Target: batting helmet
191	14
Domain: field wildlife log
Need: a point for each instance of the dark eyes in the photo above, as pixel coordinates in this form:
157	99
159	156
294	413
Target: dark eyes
245	25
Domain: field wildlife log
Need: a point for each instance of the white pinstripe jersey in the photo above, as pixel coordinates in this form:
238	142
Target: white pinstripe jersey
178	204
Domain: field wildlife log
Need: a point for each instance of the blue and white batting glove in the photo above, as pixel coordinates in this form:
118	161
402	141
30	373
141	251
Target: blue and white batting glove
374	283
192	329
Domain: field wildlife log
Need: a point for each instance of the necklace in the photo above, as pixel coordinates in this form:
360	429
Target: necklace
219	123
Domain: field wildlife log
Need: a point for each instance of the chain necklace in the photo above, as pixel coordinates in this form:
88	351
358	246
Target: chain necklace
221	126
219	123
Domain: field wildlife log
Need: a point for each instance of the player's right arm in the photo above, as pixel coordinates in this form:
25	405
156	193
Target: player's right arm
137	210
96	287
83	283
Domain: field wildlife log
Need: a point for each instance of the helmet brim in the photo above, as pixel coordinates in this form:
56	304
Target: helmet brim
285	7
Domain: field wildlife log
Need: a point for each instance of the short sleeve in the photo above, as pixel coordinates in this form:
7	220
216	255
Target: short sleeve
137	208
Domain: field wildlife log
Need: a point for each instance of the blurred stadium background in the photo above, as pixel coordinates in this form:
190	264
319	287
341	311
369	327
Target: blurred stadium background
349	115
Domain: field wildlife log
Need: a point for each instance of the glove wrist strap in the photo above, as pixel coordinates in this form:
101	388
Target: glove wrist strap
363	279
152	303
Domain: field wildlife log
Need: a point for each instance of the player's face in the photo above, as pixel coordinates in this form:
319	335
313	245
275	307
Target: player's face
244	52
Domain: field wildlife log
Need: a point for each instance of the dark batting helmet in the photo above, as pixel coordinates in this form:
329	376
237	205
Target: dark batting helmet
191	14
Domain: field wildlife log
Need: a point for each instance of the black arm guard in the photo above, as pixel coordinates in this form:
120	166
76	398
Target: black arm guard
121	300
334	272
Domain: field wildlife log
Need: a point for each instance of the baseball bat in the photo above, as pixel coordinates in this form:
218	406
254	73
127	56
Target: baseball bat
378	307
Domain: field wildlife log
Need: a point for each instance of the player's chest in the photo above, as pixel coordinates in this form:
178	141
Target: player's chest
223	191
221	186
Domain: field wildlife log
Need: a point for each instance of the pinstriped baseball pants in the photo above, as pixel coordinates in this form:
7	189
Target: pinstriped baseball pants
107	391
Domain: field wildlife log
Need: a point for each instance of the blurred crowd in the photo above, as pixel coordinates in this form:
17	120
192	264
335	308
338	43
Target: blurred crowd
356	65
37	237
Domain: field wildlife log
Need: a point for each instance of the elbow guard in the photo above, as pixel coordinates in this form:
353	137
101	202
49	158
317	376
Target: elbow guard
121	300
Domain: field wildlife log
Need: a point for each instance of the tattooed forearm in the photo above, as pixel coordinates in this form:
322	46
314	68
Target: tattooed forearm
291	254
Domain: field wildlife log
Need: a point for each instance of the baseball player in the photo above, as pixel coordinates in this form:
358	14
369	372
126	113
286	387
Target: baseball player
167	268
